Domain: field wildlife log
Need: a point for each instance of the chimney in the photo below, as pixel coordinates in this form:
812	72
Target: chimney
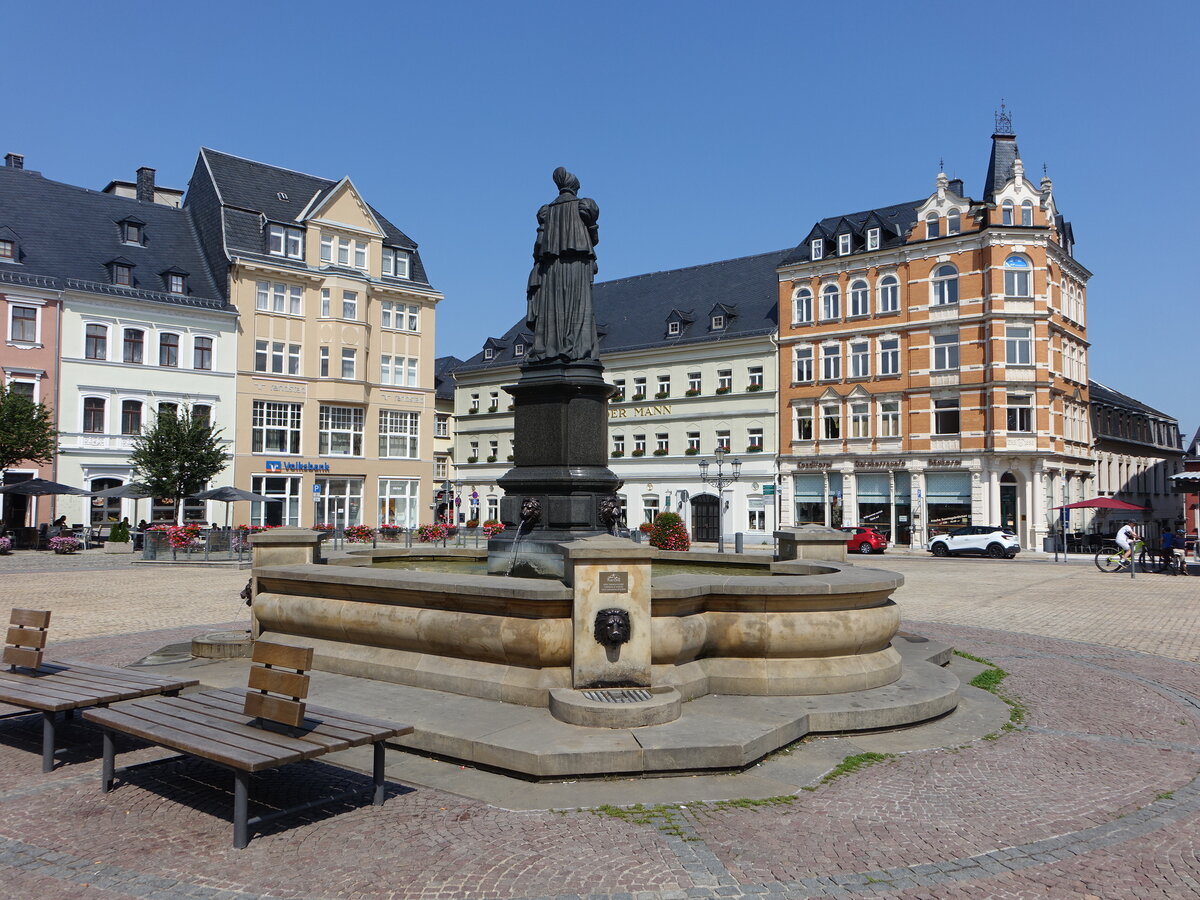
956	185
145	184
14	161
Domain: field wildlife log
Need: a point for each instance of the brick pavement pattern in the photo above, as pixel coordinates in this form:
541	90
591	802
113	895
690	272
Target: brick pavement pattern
1095	795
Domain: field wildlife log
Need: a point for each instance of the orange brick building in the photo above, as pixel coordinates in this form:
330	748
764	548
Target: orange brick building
933	362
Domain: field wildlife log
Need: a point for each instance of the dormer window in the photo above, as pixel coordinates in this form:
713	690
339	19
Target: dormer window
817	249
287	242
131	231
121	271
489	353
8	250
718	323
872	238
843	244
673	328
175	283
518	350
395	262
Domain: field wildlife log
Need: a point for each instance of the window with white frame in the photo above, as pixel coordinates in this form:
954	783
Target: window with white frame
754	440
489	353
804	423
412	317
843	244
398	501
945	285
650	506
441	467
340	431
22	324
343	251
340	501
349	304
1020	412
272	296
831	302
360	254
1006	212
931	226
723	440
385	314
618	445
398	433
946	416
274	427
754	377
860	298
133	346
441	426
1016	277
953	222
889	418
639	388
1018	345
168	349
664	387
475	402
284	489
662	443
693	442
802	306
889	356
176	283
26	389
718	322
694	382
673	327
286	241
131	417
860	419
326	304
8	250
395	262
756	514
872	238
326	247
95	342
831	362
518	350
817	249
95	415
493	401
385	369
860	358
202	353
639	445
945	351
619	384
803	355
324	362
1026	212
724	380
831	421
349	362
889	294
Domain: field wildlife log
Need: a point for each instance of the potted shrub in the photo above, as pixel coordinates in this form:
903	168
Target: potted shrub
491	459
645	528
472	523
359	534
64	544
5	545
118	540
389	533
669	532
473	410
428	534
493	408
472	459
617	454
510	457
492	527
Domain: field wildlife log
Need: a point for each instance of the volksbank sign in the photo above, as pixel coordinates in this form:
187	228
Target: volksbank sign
278	465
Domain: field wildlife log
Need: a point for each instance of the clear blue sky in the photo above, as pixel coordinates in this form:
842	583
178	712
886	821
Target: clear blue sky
704	130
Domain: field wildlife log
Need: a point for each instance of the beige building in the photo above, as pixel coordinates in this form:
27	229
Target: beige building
335	361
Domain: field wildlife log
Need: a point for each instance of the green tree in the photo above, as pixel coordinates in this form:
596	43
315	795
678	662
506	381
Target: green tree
177	454
27	432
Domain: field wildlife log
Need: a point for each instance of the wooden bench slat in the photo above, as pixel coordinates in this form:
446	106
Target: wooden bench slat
198	741
20	656
276	709
369	728
321	725
279	682
51	691
284	655
332	739
27	637
30	618
95	668
37	698
125	689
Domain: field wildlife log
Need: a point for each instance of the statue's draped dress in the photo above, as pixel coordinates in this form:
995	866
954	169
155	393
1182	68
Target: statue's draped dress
560	286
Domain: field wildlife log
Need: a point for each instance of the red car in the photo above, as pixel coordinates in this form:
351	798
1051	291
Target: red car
864	540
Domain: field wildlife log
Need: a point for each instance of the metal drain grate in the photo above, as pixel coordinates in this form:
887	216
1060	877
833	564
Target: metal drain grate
620	695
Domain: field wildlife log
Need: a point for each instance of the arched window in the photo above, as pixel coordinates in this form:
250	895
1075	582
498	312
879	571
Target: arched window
1007	208
1026	213
860	299
134	345
1016	277
953	222
931	226
831	302
945	285
889	294
802	306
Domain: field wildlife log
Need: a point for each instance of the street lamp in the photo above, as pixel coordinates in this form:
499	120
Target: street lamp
720	481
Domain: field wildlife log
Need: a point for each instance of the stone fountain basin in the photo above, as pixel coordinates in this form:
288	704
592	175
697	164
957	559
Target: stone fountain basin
810	627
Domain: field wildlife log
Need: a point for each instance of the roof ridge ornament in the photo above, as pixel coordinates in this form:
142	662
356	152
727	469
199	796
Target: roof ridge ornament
1004	120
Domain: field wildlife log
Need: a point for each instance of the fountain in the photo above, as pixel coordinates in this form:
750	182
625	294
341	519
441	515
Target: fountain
577	623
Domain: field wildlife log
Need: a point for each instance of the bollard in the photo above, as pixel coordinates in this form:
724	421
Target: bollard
737	542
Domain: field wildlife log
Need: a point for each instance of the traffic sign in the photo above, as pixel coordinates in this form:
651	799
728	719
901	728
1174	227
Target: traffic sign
768	490
316	490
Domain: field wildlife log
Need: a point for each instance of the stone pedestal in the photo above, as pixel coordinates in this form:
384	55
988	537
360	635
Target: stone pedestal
607	573
287	546
811	542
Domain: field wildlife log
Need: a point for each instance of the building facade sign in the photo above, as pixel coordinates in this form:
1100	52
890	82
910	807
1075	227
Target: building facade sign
278	465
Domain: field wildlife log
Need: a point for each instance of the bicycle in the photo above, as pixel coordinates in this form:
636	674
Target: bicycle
1159	561
1109	558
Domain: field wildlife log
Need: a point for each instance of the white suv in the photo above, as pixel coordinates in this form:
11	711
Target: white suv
994	541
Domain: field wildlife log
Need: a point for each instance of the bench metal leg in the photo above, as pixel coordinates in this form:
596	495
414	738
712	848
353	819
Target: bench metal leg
48	741
378	773
110	753
241	803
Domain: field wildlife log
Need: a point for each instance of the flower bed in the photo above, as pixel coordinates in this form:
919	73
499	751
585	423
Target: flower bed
427	534
359	534
65	544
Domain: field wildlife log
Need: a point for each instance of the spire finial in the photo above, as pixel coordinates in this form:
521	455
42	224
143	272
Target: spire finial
1004	120
941	164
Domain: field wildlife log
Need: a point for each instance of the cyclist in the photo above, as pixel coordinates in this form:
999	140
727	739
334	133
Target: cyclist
1125	539
1170	540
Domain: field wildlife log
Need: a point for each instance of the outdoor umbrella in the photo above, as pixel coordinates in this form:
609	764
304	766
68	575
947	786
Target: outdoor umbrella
1100	503
40	487
232	495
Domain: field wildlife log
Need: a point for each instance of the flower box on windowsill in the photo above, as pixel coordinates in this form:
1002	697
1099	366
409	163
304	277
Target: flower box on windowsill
694	392
617	454
637	397
491	459
754	448
618	397
723	390
662	395
660	452
473	410
639	452
511	407
472	459
493	409
510	457
755	387
691	451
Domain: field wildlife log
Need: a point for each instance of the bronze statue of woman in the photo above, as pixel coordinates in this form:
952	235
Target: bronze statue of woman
560	313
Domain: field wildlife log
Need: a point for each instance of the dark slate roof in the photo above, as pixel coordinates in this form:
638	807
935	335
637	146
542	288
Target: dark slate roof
250	189
1000	164
895	223
442	381
1100	393
68	235
632	313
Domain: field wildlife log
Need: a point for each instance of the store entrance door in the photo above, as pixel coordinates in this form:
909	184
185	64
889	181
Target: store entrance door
705	510
1008	502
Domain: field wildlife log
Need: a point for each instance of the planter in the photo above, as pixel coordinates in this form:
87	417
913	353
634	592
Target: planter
724	390
639	452
692	393
662	395
118	546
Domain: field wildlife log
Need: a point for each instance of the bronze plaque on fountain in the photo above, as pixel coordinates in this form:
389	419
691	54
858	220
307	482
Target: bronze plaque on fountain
614	582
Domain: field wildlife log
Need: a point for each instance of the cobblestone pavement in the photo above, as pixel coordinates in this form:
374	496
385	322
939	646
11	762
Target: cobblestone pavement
1095	795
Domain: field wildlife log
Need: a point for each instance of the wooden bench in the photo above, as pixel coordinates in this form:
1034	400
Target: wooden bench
54	686
250	730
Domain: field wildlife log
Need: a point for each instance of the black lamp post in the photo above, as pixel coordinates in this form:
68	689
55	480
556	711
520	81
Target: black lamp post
720	481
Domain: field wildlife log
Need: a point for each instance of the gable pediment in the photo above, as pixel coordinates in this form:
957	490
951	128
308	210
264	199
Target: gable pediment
342	207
